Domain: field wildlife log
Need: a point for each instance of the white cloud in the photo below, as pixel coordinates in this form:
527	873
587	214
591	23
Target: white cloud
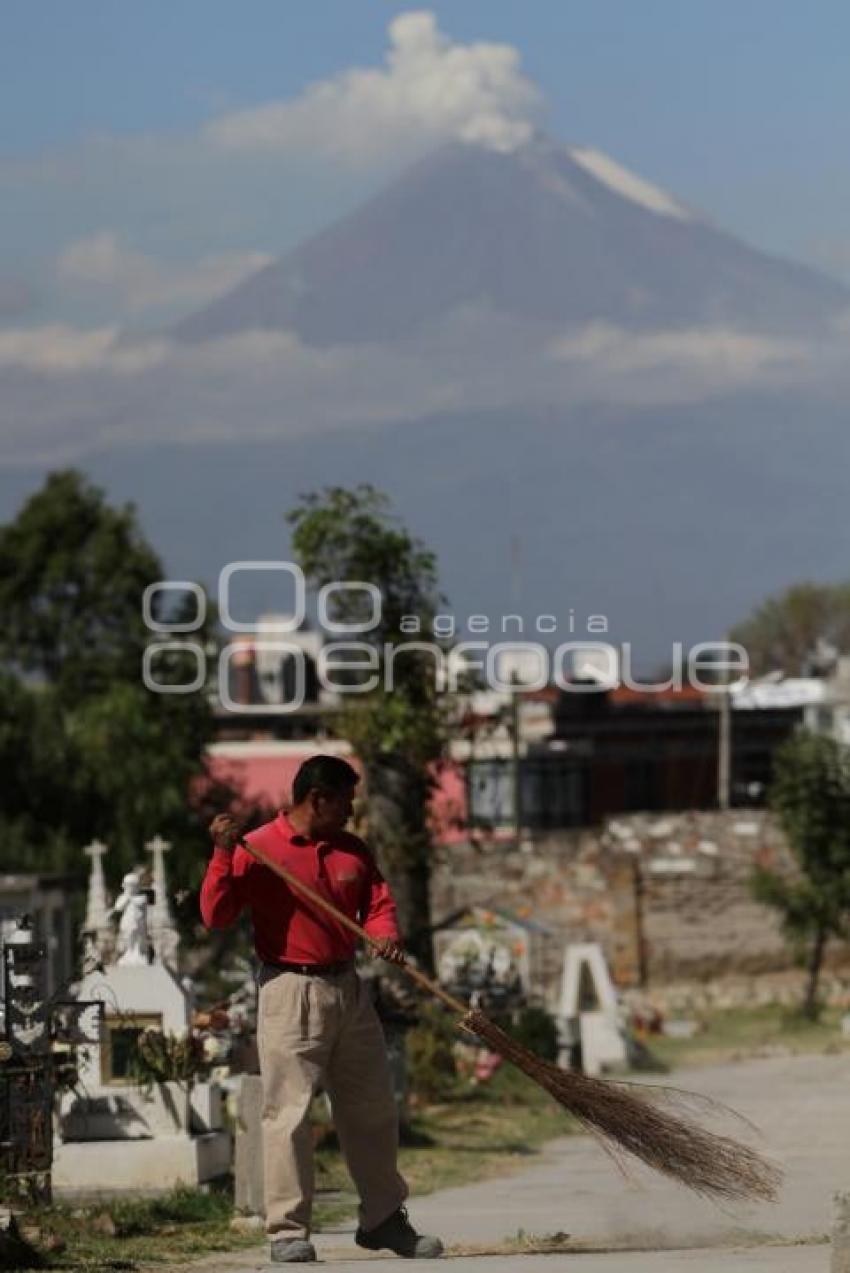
139	283
56	349
731	355
64	391
429	90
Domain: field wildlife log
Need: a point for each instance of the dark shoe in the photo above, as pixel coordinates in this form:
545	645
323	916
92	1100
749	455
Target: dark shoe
292	1251
397	1234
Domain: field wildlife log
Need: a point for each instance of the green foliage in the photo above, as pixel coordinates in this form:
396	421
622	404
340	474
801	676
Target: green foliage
398	732
118	765
810	795
432	1058
132	1233
431	1067
19	1191
183	1205
351	534
341	534
160	1057
72	574
783	632
507	1086
86	750
536	1030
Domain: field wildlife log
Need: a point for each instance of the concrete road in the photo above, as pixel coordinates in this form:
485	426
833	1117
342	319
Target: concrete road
801	1106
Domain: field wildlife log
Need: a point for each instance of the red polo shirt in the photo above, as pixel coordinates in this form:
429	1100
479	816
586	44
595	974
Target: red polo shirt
286	927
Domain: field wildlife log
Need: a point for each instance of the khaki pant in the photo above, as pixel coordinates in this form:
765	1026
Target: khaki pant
324	1031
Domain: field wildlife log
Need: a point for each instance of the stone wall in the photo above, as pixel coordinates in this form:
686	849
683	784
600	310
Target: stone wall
678	882
698	999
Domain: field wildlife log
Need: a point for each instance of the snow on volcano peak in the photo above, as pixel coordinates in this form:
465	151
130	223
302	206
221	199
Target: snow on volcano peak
627	184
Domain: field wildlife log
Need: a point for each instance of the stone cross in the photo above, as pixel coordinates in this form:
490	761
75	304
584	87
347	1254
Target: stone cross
101	939
164	935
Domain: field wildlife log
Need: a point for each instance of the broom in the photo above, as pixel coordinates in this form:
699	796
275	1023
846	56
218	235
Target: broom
625	1116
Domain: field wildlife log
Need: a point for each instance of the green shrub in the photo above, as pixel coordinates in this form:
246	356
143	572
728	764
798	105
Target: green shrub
431	1054
536	1030
508	1087
431	1068
163	1058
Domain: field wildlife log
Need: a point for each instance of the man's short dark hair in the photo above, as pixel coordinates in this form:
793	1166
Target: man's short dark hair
323	773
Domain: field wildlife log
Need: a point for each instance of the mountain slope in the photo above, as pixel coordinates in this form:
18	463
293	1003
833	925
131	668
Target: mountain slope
545	233
672	513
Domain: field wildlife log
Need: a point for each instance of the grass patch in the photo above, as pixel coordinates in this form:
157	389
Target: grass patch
122	1234
737	1034
489	1131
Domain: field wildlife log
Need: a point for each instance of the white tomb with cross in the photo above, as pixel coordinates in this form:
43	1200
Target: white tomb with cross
115	1131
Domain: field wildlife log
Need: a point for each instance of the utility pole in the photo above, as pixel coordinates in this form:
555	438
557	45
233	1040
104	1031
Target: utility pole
724	751
640	931
516	768
724	759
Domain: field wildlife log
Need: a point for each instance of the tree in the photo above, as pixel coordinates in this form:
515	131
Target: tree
72	574
86	750
810	795
783	633
398	733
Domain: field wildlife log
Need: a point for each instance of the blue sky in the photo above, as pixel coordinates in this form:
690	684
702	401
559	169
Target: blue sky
740	108
152	154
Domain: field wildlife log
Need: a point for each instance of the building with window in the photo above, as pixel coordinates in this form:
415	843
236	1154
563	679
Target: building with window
618	750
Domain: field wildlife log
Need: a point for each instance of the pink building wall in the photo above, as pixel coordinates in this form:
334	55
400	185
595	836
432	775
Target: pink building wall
263	773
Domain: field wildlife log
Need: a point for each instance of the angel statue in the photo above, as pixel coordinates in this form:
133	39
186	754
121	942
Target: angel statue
132	906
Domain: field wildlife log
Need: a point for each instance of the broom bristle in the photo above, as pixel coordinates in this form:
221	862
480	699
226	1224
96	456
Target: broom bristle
630	1118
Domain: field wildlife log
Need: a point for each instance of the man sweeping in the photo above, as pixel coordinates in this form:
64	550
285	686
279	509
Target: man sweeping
316	1024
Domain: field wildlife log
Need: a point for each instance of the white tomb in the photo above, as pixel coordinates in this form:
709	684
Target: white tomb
113	1132
589	1008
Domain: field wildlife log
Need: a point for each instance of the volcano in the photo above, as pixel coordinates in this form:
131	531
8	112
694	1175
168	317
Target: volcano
546	234
441	343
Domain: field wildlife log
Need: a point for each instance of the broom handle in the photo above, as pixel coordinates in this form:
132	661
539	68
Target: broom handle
420	978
